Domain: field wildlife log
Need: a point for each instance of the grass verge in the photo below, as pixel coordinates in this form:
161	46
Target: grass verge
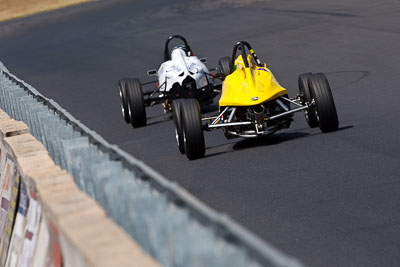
11	9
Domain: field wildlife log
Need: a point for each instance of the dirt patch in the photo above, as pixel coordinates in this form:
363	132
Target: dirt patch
10	9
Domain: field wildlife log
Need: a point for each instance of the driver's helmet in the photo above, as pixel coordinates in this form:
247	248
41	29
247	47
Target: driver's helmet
183	47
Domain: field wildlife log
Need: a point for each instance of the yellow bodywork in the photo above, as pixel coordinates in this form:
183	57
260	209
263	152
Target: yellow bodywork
249	86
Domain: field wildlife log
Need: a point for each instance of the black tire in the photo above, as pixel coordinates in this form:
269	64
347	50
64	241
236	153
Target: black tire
305	95
325	105
177	117
124	101
192	129
224	66
136	102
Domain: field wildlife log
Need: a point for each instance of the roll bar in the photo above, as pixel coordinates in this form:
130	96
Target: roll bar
241	46
167	55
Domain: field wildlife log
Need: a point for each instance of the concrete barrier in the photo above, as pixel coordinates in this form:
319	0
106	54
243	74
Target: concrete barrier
45	219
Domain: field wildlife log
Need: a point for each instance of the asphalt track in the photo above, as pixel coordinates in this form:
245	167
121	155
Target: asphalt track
327	199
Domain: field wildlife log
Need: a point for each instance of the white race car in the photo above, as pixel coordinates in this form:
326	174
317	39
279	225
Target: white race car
181	75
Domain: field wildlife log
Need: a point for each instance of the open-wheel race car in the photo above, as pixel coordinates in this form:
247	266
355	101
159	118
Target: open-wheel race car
253	104
181	75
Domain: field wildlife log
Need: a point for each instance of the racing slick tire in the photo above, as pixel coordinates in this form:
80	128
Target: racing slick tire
177	117
325	105
193	136
224	66
136	102
305	95
124	101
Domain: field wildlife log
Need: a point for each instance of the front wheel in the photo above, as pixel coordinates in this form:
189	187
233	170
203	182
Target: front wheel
177	117
124	100
193	136
305	95
224	66
325	105
136	102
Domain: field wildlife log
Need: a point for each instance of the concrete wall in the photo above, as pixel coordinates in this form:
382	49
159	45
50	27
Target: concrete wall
45	219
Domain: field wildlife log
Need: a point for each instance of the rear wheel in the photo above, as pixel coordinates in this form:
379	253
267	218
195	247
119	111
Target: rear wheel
136	102
177	117
124	101
305	95
193	136
325	105
224	66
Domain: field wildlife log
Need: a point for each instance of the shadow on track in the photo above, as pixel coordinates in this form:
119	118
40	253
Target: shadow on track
268	140
264	141
255	142
153	120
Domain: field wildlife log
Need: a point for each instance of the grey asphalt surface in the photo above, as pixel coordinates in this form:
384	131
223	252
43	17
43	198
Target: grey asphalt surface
327	199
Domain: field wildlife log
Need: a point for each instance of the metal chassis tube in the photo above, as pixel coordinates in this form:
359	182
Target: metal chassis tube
214	123
287	112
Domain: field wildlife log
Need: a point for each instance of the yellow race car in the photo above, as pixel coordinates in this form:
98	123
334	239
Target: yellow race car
253	104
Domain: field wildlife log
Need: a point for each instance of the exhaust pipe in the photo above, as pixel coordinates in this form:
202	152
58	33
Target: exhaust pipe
260	115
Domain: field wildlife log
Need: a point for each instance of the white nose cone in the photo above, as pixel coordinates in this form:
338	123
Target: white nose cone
177	53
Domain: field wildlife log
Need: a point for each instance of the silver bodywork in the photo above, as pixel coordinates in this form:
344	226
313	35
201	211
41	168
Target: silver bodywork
181	66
